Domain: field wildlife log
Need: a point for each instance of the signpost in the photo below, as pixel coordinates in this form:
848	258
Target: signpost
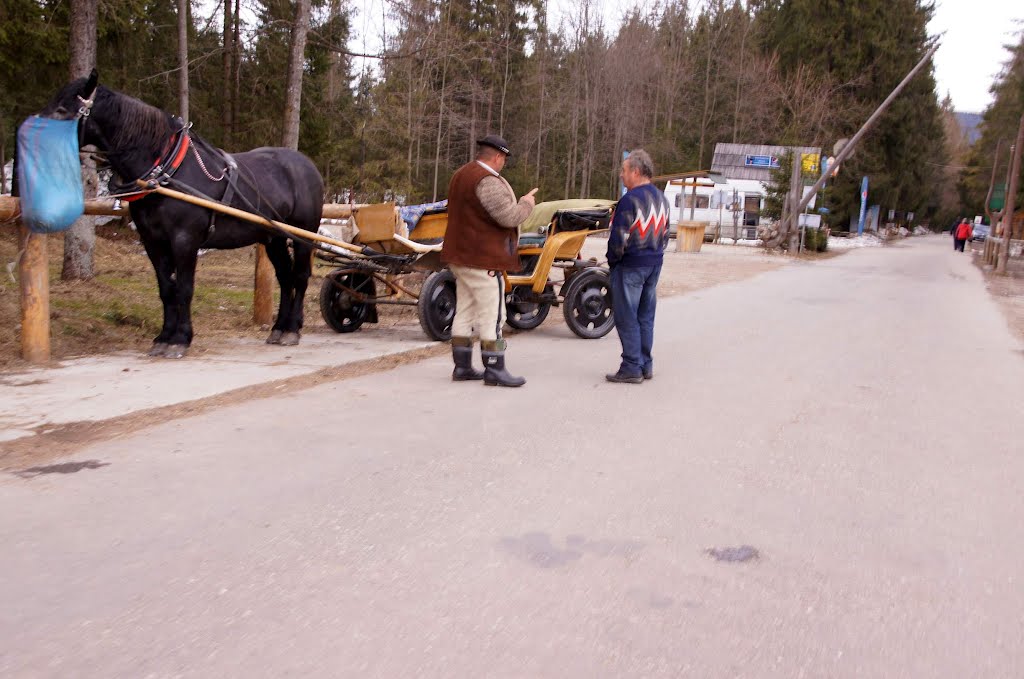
863	205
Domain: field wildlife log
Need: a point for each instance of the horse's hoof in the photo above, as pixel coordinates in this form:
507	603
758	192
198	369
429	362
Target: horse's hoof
175	351
158	349
289	339
275	336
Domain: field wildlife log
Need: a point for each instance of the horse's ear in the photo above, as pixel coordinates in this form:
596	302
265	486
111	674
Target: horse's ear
90	84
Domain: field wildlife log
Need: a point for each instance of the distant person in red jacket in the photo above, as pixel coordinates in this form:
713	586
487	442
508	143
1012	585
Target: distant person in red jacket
962	234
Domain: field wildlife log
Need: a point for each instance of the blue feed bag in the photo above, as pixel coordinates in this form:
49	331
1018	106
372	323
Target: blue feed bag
49	174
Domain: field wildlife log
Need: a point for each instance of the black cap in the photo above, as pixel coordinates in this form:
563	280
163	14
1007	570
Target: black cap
495	142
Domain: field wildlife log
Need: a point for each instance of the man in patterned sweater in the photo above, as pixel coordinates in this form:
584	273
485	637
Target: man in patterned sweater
480	243
639	235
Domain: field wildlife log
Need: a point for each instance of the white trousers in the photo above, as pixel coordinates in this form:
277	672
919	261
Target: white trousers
480	303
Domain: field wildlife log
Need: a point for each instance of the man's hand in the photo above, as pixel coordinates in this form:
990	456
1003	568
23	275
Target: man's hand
531	197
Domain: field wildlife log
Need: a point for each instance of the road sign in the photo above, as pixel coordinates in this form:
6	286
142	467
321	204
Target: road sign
809	162
998	201
761	161
863	204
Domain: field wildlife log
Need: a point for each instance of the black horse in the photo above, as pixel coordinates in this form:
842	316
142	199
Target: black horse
143	142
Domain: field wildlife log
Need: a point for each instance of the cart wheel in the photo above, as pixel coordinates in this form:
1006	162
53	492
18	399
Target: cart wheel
523	315
588	304
338	307
436	305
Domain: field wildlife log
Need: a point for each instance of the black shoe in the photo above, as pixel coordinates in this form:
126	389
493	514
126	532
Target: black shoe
495	374
624	378
463	358
649	374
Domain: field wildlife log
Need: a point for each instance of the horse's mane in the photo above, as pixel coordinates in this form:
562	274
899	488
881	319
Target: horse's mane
139	125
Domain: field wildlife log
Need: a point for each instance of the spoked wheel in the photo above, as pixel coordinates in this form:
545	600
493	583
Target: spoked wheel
525	315
337	305
588	304
436	306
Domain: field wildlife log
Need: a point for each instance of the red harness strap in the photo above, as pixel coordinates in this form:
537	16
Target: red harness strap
182	142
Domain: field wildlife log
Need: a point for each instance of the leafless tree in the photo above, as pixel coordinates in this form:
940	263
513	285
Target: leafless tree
293	91
80	239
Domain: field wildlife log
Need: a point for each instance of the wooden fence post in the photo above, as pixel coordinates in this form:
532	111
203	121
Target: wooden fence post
263	289
34	282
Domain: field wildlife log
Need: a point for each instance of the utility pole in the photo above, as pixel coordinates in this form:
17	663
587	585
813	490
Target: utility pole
997	216
793	212
1011	195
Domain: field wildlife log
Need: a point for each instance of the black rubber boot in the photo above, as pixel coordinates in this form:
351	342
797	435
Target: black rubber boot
462	355
495	374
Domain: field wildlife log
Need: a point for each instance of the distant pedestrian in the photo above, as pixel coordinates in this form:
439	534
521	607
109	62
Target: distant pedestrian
636	246
962	234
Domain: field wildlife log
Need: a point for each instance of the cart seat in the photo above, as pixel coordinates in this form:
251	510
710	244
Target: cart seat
532	240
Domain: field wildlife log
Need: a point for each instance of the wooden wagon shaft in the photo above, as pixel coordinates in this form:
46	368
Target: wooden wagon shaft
106	206
255	219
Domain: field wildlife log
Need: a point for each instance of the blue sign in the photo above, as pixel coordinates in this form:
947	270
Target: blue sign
622	187
761	161
863	205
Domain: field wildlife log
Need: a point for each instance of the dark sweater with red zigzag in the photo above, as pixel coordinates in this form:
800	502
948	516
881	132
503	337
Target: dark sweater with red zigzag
639	231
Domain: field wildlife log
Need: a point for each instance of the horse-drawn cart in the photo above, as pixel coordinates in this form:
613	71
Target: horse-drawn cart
552	239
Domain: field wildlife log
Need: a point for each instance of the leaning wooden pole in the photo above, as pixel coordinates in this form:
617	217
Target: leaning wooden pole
1011	196
852	144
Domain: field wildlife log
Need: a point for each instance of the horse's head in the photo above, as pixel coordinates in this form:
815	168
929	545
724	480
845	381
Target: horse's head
76	100
130	132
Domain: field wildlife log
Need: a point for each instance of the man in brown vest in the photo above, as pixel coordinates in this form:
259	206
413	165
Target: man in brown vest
481	243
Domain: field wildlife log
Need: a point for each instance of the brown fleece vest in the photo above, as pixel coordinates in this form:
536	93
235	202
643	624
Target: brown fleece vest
472	237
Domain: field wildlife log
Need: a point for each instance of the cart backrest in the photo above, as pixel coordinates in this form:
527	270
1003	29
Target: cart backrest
431	226
377	223
581	220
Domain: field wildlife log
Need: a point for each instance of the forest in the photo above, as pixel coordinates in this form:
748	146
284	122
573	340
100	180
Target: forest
673	78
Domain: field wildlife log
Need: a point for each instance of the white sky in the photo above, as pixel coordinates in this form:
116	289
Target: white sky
972	34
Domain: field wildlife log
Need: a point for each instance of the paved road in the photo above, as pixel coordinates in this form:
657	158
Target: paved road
857	421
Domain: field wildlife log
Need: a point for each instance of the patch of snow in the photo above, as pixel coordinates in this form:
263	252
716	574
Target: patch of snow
741	241
921	231
867	240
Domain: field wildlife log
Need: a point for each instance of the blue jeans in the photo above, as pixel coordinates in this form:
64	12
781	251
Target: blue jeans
634	300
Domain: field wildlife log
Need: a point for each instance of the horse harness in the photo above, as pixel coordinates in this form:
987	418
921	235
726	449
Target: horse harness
165	167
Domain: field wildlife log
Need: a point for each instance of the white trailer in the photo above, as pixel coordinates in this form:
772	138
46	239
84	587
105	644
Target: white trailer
731	208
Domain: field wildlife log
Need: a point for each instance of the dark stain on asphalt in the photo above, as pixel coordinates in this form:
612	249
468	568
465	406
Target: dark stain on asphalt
734	554
539	550
63	468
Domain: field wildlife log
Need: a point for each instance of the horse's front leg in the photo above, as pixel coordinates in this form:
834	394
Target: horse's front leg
185	276
163	266
285	330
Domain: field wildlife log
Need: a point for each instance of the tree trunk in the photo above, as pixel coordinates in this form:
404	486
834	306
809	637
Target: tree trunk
226	91
236	65
80	239
293	90
183	18
440	103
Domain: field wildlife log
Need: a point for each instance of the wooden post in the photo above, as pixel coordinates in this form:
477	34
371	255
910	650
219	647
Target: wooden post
263	292
1011	195
34	282
793	213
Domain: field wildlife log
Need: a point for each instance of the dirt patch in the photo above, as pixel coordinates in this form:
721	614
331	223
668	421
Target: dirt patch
1008	291
119	308
714	265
